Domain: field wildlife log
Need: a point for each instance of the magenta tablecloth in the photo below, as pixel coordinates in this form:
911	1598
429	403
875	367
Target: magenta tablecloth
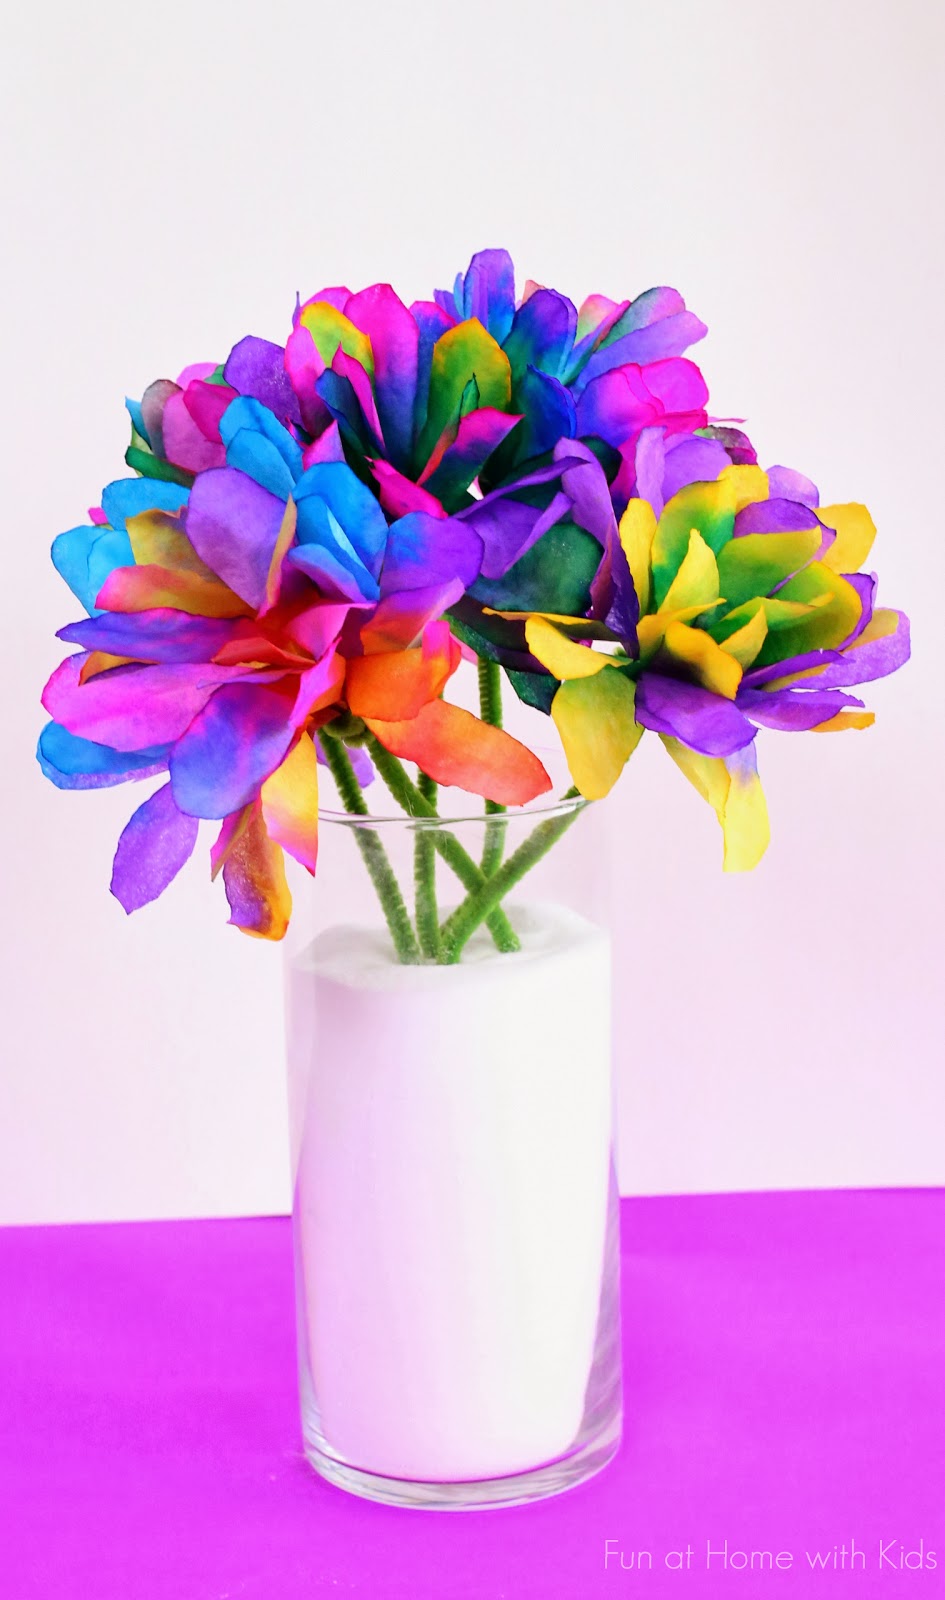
785	1366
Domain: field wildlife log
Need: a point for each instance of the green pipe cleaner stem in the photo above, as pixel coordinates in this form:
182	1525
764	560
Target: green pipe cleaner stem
459	927
408	796
490	710
375	856
424	870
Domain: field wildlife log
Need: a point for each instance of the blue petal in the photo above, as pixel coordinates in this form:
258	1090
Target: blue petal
488	291
85	557
324	549
332	575
542	334
258	457
74	763
549	413
353	507
127	497
133	408
244	413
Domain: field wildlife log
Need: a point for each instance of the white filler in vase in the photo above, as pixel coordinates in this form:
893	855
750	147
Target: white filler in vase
451	1160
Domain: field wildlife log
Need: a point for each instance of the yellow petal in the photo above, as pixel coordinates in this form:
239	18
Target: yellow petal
571	627
733	789
856	531
599	732
844	720
158	540
708	662
750	484
290	803
284	538
651	630
745	643
697	581
563	658
637	530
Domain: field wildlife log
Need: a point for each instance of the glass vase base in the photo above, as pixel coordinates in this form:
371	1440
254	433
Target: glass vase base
483	1494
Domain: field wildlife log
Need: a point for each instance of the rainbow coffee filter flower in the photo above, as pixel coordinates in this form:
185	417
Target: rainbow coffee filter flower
317	530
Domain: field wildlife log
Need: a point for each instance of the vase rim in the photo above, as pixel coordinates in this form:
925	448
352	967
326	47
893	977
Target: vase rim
535	811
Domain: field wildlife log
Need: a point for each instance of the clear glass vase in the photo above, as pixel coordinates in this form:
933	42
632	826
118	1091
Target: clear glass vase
455	1207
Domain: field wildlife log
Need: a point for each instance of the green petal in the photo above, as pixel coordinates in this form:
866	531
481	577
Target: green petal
757	563
462	355
709	508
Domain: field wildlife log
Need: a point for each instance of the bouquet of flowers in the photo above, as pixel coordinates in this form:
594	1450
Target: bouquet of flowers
317	532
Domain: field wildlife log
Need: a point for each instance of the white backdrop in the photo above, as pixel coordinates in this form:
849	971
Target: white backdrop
173	175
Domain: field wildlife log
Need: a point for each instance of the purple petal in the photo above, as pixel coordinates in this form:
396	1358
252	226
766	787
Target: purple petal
860	664
784	669
646	466
691	460
230	748
647	331
233	524
256	367
510	527
865	585
704	721
155	844
786	484
586	486
774	516
151	636
792	710
360	761
133	708
424	551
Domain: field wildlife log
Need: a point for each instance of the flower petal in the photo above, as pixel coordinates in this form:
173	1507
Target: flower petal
255	882
155	844
394	686
704	721
234	524
733	790
460	354
256	367
238	738
133	708
563	658
599	731
290	803
71	762
454	748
